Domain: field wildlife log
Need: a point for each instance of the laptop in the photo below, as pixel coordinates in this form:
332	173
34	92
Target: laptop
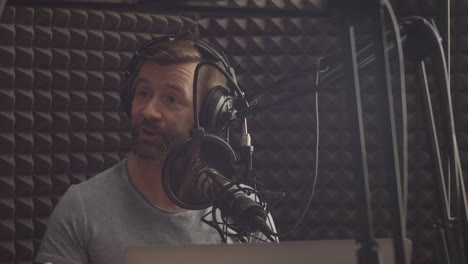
288	252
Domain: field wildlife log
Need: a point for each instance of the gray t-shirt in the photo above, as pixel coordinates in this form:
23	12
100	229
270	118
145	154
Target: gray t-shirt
96	220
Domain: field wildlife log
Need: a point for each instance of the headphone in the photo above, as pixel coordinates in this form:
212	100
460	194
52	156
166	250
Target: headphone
218	108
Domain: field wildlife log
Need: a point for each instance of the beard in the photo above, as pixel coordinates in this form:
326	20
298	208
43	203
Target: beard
154	150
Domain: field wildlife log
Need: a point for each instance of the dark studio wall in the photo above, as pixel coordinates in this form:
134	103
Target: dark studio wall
60	122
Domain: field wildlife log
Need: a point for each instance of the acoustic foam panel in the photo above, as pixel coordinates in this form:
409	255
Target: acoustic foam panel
59	108
60	117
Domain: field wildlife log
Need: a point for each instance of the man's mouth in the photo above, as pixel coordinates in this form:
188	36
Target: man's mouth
150	134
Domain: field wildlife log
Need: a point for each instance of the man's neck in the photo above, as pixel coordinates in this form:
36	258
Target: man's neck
146	176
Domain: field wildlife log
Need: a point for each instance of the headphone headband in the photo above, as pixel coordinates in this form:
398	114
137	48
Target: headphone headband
212	52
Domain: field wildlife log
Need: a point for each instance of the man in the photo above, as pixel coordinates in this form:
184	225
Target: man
95	221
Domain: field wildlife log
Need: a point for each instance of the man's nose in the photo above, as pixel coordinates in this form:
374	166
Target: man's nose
152	110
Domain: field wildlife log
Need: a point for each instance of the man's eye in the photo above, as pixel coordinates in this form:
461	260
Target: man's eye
172	99
143	93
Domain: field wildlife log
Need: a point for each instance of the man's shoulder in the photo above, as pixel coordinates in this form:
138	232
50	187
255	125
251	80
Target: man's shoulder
114	174
113	178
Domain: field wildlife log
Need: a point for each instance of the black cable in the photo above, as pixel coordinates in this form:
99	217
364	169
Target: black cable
317	139
314	184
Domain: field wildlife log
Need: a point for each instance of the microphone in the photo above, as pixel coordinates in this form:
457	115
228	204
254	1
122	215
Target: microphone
233	200
198	173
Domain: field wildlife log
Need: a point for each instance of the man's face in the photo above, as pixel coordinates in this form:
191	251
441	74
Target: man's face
162	108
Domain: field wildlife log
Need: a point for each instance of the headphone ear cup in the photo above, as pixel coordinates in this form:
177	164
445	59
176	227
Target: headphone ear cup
216	104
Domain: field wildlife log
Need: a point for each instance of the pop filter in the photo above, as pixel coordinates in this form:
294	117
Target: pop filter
186	161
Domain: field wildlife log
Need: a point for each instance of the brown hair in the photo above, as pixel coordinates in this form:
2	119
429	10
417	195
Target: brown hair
185	50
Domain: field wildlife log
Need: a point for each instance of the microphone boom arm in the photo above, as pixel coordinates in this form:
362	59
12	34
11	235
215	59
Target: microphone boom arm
331	72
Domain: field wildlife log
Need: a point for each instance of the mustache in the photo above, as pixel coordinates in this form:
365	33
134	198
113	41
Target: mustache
170	139
150	125
154	128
